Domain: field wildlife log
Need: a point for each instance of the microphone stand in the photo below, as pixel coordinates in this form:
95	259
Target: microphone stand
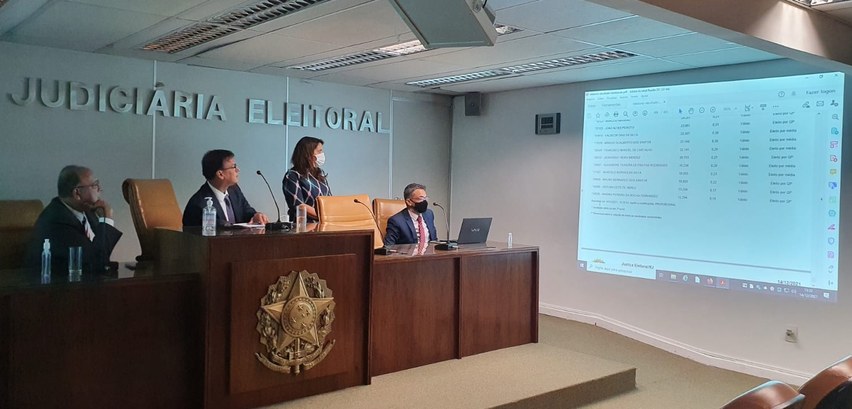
449	245
278	225
384	250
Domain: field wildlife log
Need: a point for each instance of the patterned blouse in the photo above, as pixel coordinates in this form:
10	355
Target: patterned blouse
300	189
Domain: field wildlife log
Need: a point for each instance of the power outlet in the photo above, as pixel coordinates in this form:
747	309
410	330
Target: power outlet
791	334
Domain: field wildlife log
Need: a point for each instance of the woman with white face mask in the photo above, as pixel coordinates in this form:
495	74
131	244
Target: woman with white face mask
306	180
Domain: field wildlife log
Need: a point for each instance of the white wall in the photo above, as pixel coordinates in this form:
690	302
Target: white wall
38	141
530	185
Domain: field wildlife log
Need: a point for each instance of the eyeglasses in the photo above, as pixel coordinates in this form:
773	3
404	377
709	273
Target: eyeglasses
96	185
235	167
419	199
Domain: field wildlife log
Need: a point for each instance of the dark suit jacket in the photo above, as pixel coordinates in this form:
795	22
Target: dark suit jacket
243	212
64	230
401	228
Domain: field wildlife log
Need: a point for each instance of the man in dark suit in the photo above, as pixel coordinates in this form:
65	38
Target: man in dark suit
222	173
416	223
70	220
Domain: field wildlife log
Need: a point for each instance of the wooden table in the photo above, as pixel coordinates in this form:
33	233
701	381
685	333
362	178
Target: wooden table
183	334
430	306
125	341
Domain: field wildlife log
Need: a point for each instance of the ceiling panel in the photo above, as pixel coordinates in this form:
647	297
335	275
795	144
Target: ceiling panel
159	7
727	56
396	71
680	44
14	12
357	25
497	5
104	26
536	47
626	30
336	28
553	15
268	48
226	64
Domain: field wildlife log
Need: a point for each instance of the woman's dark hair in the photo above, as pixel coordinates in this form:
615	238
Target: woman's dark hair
303	155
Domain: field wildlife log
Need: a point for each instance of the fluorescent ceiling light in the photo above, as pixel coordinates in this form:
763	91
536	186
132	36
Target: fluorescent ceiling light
459	78
377	54
228	23
524	68
396	50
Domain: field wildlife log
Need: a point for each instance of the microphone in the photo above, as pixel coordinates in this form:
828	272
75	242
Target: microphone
449	245
384	250
278	225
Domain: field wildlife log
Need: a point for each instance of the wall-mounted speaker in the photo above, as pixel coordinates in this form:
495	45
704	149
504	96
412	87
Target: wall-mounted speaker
548	124
472	104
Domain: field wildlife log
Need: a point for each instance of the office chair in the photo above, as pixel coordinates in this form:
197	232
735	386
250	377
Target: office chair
152	205
337	213
384	209
770	395
831	388
17	219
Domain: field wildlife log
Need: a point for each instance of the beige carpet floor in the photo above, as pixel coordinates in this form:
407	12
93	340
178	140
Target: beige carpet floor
663	380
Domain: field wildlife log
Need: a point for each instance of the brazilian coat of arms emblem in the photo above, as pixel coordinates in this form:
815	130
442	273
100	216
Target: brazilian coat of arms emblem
294	321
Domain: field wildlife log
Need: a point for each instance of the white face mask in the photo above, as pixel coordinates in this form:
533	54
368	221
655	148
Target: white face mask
320	159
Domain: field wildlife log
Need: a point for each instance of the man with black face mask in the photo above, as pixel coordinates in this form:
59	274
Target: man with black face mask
416	223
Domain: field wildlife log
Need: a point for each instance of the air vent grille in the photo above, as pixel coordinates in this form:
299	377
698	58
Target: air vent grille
226	24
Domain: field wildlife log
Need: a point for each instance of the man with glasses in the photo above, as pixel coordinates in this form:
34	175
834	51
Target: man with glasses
77	217
222	173
416	223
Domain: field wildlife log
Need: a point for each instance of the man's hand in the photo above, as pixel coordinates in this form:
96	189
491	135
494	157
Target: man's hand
104	206
259	218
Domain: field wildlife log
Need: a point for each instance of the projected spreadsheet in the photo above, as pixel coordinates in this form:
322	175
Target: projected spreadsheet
728	185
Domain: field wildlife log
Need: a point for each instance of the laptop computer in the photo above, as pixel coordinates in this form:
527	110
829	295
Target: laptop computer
474	230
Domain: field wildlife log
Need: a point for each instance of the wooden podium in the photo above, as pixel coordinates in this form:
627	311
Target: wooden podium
237	268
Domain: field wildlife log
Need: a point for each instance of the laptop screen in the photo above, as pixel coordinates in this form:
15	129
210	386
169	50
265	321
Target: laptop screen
474	230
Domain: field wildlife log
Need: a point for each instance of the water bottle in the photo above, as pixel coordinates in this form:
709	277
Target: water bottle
45	259
208	220
509	241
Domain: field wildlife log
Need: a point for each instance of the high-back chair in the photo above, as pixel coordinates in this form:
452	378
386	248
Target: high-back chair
152	204
770	395
831	388
384	209
338	213
17	220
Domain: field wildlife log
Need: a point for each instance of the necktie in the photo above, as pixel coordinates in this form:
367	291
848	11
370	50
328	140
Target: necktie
423	235
229	211
87	229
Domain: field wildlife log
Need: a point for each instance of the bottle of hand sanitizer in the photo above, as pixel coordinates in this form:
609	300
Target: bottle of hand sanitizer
208	220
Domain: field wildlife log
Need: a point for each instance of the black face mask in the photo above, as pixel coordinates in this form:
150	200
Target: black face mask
421	207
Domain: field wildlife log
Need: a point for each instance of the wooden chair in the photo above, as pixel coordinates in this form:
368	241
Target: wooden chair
831	388
17	219
152	205
770	395
384	209
338	213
